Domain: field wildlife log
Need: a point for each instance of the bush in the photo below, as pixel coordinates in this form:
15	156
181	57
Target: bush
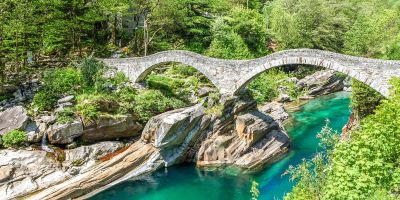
165	83
62	81
264	88
66	116
90	69
44	100
56	83
364	99
152	102
14	138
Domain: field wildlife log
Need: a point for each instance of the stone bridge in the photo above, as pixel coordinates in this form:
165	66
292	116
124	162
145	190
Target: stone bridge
229	76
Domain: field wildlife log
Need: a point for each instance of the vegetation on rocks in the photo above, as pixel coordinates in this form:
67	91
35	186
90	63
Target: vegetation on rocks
366	166
14	138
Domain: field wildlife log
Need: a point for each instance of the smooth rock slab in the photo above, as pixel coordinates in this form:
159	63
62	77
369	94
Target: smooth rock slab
14	118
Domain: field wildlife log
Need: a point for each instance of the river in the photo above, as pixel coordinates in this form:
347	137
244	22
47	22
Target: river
187	182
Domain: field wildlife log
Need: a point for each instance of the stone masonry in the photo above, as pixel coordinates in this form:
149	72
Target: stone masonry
230	76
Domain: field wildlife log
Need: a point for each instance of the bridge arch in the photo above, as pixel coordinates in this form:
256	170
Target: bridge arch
230	76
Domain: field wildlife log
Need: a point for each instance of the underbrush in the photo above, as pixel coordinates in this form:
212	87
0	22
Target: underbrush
98	95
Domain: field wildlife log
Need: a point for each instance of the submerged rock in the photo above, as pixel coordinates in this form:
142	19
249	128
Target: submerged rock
15	118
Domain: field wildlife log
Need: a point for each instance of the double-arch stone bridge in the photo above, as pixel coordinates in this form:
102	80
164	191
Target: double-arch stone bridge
230	76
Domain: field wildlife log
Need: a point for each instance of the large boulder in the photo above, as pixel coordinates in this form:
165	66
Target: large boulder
322	82
12	119
249	142
171	128
64	133
107	128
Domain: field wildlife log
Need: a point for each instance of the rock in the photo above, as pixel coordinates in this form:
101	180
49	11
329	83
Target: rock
14	118
276	111
6	172
47	119
172	128
112	128
34	135
64	133
107	106
322	82
84	157
283	98
250	142
174	133
7	89
67	99
204	91
72	145
23	172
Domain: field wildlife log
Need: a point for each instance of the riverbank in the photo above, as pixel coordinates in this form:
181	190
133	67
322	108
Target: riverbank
182	181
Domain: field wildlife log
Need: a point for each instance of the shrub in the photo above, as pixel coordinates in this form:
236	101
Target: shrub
364	99
66	116
90	69
165	83
152	102
62	81
265	87
14	138
56	83
44	100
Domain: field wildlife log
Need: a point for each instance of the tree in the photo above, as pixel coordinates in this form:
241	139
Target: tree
226	43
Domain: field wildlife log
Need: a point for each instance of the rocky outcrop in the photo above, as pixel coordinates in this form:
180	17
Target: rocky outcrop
107	128
14	118
322	82
175	131
64	133
165	139
276	110
242	136
23	172
253	141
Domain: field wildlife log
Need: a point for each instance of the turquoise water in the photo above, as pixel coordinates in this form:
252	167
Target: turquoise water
186	182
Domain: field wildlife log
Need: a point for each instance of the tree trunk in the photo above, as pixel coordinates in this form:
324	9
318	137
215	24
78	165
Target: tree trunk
114	30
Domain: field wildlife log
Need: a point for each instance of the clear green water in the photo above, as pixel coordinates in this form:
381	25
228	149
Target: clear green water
186	182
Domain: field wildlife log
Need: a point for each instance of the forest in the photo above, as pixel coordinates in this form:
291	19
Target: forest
38	35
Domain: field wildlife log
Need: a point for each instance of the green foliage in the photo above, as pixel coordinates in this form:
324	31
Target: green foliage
44	100
317	24
165	83
66	116
14	138
265	87
226	43
152	102
364	167
90	68
57	83
88	111
372	33
364	99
